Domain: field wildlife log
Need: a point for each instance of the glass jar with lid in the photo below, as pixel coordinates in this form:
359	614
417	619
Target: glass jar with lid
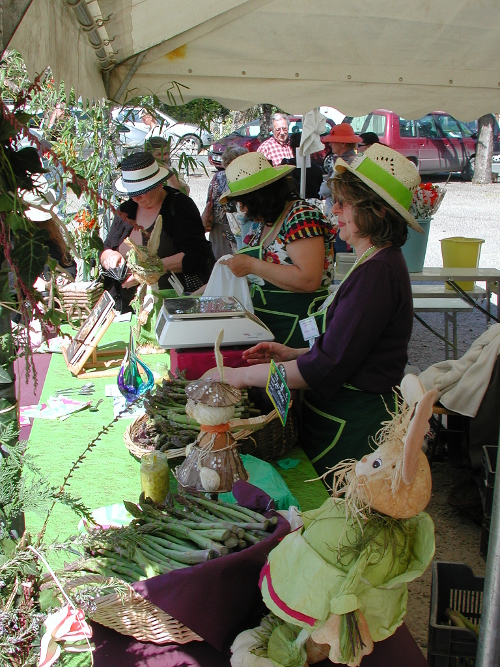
155	476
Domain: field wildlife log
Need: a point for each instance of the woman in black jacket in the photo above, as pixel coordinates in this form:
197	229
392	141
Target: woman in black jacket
183	248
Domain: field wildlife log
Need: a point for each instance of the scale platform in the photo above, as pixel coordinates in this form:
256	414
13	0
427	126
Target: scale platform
195	322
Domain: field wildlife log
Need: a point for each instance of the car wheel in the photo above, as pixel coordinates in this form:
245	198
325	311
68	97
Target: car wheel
328	163
189	144
468	170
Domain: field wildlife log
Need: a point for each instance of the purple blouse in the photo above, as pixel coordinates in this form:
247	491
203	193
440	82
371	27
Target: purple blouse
368	328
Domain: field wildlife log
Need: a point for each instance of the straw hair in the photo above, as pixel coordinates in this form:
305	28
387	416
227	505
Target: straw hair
248	166
394	164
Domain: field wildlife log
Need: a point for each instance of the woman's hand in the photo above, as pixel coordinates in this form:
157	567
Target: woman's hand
233	376
241	265
263	353
110	259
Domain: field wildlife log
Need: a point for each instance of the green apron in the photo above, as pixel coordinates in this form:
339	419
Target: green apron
338	428
279	309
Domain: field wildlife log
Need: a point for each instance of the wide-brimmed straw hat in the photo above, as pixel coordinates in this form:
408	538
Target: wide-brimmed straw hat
251	172
342	134
140	174
388	173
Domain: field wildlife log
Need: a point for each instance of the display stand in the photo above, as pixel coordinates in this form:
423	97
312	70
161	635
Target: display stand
82	356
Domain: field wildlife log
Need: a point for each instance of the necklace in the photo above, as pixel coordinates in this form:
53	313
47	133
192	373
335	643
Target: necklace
360	259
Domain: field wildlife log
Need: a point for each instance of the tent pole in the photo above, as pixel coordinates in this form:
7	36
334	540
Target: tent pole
303	175
488	649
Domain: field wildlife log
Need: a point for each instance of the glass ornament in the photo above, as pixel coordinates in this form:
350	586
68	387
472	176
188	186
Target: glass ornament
134	378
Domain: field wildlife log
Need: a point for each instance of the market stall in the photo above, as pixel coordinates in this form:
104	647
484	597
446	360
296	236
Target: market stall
410	86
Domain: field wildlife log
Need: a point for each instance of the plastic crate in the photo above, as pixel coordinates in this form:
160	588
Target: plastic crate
454	586
487	484
485	538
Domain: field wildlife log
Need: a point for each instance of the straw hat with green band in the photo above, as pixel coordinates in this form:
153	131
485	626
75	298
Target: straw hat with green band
251	172
389	174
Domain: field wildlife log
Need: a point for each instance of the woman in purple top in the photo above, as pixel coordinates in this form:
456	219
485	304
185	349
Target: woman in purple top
351	370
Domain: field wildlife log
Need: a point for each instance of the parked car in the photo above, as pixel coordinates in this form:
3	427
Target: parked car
248	136
473	125
435	143
188	138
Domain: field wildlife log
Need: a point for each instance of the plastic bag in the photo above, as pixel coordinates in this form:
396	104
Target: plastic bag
223	282
266	478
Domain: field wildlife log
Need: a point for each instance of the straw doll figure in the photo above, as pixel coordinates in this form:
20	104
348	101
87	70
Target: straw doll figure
146	268
213	463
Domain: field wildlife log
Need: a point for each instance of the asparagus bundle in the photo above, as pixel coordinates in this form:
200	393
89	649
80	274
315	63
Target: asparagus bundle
159	540
168	425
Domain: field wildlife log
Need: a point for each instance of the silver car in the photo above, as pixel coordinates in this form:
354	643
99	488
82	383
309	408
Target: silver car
187	138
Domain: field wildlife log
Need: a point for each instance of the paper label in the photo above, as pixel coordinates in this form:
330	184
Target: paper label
309	328
278	391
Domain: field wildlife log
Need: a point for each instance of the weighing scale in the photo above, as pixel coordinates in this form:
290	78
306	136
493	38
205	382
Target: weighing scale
195	322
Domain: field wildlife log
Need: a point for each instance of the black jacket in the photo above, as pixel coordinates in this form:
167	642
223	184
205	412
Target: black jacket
182	231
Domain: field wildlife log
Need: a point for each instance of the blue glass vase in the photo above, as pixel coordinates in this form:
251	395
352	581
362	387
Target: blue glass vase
134	378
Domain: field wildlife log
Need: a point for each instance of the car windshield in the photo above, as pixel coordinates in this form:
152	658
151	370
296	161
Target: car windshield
467	132
249	130
373	122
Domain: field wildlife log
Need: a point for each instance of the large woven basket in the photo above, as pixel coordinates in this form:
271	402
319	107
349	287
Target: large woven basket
272	441
130	614
263	437
71	295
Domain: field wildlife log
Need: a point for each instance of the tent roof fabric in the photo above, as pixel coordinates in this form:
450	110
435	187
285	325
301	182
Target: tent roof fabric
411	56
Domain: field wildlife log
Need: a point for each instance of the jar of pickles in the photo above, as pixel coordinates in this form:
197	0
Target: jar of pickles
155	476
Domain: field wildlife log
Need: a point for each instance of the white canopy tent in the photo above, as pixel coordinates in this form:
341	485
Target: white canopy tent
411	56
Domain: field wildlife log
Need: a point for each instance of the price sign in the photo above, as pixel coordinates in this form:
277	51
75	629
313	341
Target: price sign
278	391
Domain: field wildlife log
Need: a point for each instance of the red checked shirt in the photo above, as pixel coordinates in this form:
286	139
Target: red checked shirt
275	152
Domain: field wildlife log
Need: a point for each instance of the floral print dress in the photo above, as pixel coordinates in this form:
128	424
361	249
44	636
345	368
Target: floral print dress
303	221
282	310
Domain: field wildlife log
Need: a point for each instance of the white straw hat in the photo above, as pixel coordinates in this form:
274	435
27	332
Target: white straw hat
389	174
250	172
140	174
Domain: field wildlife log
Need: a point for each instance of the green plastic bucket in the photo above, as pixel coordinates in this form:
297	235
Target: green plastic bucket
462	253
416	246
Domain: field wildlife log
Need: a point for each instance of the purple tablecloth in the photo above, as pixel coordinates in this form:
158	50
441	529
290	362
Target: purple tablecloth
28	395
114	650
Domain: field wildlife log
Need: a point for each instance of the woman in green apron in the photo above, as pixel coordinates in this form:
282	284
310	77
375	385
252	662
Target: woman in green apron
349	373
288	256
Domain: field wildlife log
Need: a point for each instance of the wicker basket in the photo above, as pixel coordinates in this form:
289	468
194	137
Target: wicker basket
263	437
272	441
132	615
138	450
79	297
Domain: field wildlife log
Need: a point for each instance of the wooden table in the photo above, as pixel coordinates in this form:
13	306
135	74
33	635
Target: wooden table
437	274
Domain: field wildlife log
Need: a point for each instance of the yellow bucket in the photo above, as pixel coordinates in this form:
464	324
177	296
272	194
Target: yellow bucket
463	253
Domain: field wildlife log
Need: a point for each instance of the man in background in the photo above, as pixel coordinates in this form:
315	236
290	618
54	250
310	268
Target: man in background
277	148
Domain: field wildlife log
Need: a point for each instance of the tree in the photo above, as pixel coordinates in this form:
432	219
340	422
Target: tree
265	121
484	149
